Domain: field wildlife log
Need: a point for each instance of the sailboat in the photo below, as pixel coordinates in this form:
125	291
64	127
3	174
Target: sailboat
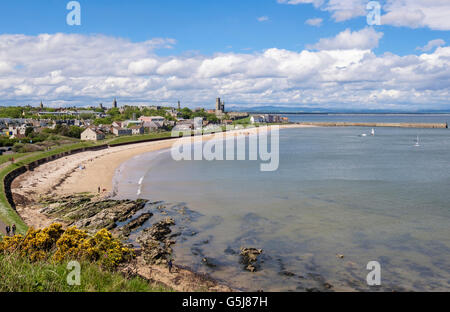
373	132
417	142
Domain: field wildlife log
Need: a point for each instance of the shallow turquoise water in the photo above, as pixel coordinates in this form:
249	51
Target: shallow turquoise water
368	198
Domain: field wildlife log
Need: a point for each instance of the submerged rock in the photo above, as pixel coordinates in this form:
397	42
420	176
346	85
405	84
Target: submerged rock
134	224
250	257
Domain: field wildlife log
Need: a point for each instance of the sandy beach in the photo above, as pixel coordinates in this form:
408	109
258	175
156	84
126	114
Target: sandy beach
85	172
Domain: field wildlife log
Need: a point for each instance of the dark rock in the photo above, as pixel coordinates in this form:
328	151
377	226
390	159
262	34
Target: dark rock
134	224
154	242
250	257
287	273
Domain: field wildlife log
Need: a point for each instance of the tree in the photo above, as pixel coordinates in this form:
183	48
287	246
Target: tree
29	131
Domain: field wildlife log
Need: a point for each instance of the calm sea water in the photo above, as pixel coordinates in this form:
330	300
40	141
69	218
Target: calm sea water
335	192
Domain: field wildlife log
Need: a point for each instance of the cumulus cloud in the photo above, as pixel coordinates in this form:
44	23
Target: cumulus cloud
317	22
78	69
407	13
364	39
431	45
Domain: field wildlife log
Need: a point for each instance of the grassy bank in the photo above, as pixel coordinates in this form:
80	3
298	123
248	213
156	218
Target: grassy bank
21	275
139	138
7	214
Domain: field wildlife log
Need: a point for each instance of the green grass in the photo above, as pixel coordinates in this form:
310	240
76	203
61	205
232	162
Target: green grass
5	158
138	138
9	215
18	274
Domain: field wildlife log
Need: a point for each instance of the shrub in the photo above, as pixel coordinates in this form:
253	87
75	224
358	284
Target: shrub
55	243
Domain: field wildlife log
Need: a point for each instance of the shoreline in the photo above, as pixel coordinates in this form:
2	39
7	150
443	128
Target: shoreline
64	177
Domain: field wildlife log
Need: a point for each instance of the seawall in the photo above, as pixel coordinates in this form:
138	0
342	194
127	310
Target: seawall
377	124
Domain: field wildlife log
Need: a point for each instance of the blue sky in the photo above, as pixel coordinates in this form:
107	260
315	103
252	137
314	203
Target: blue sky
215	41
206	27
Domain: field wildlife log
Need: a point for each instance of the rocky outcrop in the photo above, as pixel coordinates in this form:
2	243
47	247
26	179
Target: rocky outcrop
155	242
85	213
250	259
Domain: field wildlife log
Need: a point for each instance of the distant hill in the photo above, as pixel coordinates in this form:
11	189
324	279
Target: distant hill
309	110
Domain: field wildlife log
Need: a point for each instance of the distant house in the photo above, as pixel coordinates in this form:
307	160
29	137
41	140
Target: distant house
137	130
152	118
257	119
117	124
131	123
91	134
185	123
121	131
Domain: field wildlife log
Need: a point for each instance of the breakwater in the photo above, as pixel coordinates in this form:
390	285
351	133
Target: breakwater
377	124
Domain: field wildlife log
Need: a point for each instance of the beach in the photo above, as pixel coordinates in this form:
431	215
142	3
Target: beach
86	172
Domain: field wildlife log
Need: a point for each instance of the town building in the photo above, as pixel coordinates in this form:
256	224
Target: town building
254	119
151	118
220	107
121	131
135	130
92	134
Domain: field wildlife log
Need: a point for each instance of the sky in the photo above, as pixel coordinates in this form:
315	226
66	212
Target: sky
289	53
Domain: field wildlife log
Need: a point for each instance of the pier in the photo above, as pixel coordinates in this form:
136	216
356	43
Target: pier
377	124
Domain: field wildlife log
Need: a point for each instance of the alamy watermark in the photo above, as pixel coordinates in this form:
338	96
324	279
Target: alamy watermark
374	276
374	14
74	276
74	16
229	145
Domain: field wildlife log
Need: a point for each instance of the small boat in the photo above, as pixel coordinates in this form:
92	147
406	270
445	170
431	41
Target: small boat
417	142
373	132
363	135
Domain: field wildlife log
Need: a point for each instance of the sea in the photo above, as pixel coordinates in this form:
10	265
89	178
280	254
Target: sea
337	202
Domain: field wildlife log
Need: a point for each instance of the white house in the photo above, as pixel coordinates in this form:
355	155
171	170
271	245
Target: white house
257	119
137	130
91	134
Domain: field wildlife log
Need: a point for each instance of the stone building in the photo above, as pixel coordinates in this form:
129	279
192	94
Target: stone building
91	134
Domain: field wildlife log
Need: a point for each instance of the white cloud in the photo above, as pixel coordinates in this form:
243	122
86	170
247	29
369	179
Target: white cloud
364	39
433	14
317	22
431	45
263	19
417	13
316	3
78	69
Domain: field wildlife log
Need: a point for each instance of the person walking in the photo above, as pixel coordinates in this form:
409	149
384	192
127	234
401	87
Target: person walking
13	230
8	229
170	264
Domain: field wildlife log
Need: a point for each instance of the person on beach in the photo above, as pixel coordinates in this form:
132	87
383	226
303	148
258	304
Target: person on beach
99	189
170	264
13	230
8	229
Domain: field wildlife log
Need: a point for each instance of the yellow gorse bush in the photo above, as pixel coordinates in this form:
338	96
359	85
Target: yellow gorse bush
58	244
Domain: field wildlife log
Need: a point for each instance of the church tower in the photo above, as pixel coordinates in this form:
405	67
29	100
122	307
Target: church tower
115	103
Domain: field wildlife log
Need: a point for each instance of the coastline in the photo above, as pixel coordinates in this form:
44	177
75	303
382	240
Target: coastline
64	177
